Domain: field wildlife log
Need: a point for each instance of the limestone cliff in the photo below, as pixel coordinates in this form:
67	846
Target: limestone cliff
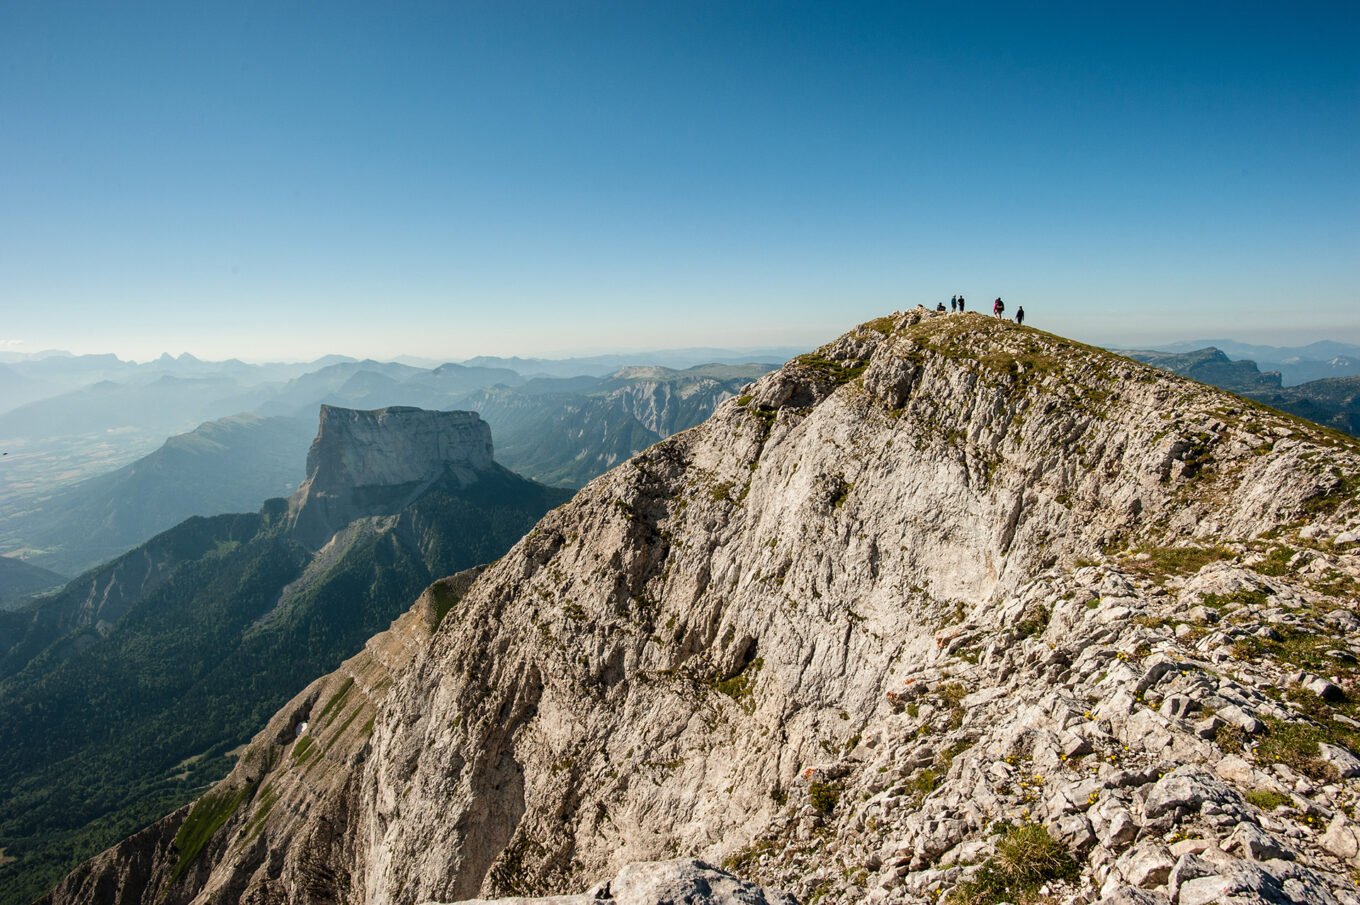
949	606
361	461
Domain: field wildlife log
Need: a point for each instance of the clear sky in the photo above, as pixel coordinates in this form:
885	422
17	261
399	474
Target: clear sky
285	179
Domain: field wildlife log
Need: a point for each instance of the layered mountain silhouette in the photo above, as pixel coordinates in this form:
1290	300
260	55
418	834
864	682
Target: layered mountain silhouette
559	431
126	691
229	465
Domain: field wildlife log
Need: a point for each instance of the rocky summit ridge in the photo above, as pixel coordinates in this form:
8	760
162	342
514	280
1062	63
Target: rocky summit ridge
948	608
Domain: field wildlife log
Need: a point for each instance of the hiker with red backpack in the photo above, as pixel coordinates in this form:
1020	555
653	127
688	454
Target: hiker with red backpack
998	307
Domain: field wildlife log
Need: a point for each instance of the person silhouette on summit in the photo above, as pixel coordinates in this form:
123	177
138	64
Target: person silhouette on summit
1020	315
953	303
940	307
960	304
998	307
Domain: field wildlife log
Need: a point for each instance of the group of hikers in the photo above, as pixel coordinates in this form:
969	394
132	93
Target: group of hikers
998	308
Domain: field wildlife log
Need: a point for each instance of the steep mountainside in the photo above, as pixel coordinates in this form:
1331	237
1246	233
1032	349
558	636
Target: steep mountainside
229	465
1334	402
570	437
128	690
949	606
19	579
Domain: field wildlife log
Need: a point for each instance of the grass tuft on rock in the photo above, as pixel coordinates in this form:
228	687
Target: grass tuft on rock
823	796
1026	858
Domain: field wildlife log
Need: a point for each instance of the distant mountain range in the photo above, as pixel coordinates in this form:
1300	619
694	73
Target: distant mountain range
561	431
1334	402
25	379
65	418
1295	364
604	365
124	693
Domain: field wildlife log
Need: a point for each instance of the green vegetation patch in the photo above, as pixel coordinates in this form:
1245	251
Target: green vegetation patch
722	492
740	687
1267	800
1026	858
1346	487
332	708
922	784
1303	650
444	599
1028	364
1163	562
1033	622
823	796
743	861
1296	746
1277	561
839	371
205	818
1253	597
268	797
346	724
304	750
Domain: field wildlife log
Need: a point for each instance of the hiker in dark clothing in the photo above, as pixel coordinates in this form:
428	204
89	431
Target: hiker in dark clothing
953	303
998	307
1020	315
940	307
960	304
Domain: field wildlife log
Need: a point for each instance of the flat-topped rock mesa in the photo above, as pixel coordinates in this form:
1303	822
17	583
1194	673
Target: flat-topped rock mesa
368	462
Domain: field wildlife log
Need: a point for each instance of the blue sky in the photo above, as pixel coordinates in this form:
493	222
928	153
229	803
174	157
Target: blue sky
285	179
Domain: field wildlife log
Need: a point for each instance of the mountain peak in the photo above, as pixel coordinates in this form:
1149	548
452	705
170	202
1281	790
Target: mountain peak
362	461
941	576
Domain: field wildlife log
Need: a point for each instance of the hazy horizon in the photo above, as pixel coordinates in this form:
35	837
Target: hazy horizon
1150	339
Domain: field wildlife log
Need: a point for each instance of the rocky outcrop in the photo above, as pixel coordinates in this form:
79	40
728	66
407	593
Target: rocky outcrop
362	463
652	883
948	607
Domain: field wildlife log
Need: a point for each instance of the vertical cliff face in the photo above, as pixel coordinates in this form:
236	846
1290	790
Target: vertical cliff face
942	577
363	462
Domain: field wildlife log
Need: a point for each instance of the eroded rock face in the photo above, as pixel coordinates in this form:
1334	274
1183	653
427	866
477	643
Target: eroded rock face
361	461
660	883
933	580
